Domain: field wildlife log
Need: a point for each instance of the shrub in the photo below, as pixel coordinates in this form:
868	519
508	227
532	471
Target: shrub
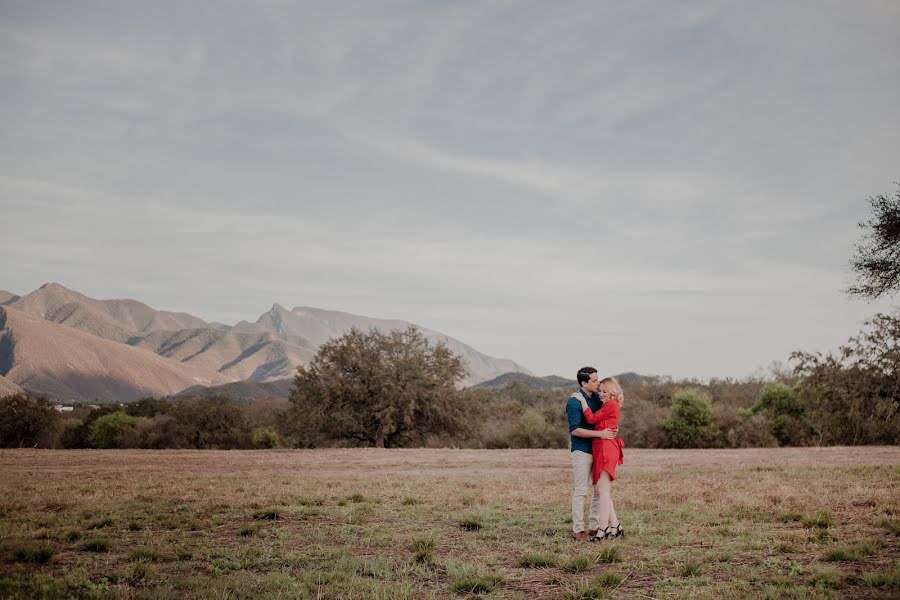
533	431
108	430
689	420
265	438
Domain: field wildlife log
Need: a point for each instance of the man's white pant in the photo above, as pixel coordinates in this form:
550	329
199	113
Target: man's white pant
582	462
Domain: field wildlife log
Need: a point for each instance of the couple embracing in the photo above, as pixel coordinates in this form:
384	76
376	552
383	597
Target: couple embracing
593	415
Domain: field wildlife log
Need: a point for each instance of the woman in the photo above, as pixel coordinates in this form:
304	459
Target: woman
607	454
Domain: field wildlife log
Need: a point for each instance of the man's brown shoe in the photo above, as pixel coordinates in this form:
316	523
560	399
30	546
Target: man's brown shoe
579	536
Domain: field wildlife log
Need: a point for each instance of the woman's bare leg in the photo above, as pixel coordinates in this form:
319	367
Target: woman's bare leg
613	517
604	485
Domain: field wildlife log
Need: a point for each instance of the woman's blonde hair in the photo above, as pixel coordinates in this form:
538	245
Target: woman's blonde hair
612	387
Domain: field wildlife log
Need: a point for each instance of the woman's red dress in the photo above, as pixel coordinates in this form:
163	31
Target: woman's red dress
607	453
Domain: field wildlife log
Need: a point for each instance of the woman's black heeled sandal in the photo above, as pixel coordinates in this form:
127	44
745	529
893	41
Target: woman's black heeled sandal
618	532
602	534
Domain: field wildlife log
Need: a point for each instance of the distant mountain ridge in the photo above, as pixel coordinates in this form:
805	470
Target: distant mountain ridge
551	381
268	350
61	362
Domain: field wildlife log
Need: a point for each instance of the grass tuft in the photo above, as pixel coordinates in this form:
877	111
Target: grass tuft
143	554
537	560
882	579
73	535
356	498
133	526
96	545
854	552
409	501
423	550
248	530
609	554
690	569
471	524
33	554
892	526
141	571
790	517
107	522
819	520
268	514
596	589
578	564
466	581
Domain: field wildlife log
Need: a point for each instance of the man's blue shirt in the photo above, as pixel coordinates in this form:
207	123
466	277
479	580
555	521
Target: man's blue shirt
576	420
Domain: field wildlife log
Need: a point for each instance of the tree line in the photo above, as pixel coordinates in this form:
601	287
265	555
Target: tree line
396	390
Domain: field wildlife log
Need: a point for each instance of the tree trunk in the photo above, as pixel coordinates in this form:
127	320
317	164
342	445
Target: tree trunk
379	436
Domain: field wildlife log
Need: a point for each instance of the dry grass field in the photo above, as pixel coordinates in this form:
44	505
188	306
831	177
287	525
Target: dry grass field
758	523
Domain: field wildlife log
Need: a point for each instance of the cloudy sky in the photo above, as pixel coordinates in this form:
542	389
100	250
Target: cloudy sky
660	187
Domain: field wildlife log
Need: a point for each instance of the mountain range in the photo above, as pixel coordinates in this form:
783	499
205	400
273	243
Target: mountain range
63	344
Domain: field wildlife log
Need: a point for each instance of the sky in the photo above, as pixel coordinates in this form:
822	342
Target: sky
665	188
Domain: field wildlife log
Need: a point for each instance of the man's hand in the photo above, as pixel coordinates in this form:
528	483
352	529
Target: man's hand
606	434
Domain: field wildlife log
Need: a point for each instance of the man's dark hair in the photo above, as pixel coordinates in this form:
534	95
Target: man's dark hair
584	374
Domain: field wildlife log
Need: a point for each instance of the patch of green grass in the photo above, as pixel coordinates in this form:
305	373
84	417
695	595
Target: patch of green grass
409	501
133	526
823	578
56	506
596	589
268	514
579	563
248	530
791	517
143	554
820	520
690	569
182	553
854	552
537	560
33	554
96	545
882	579
892	526
73	535
141	571
423	550
107	522
471	524
609	554
356	498
466	580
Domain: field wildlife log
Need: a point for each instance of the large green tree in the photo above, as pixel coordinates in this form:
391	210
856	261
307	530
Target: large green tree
383	389
26	421
877	258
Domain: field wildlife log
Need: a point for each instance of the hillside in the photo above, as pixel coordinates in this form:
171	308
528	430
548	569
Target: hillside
67	364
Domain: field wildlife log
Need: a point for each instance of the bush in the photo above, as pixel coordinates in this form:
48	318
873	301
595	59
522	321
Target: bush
689	421
784	414
108	430
533	431
264	438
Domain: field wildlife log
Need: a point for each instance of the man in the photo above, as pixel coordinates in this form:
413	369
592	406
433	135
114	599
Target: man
581	435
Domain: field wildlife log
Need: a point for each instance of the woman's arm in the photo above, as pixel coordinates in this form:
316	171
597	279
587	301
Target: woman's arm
593	418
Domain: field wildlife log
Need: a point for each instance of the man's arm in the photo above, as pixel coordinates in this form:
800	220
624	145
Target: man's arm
606	434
